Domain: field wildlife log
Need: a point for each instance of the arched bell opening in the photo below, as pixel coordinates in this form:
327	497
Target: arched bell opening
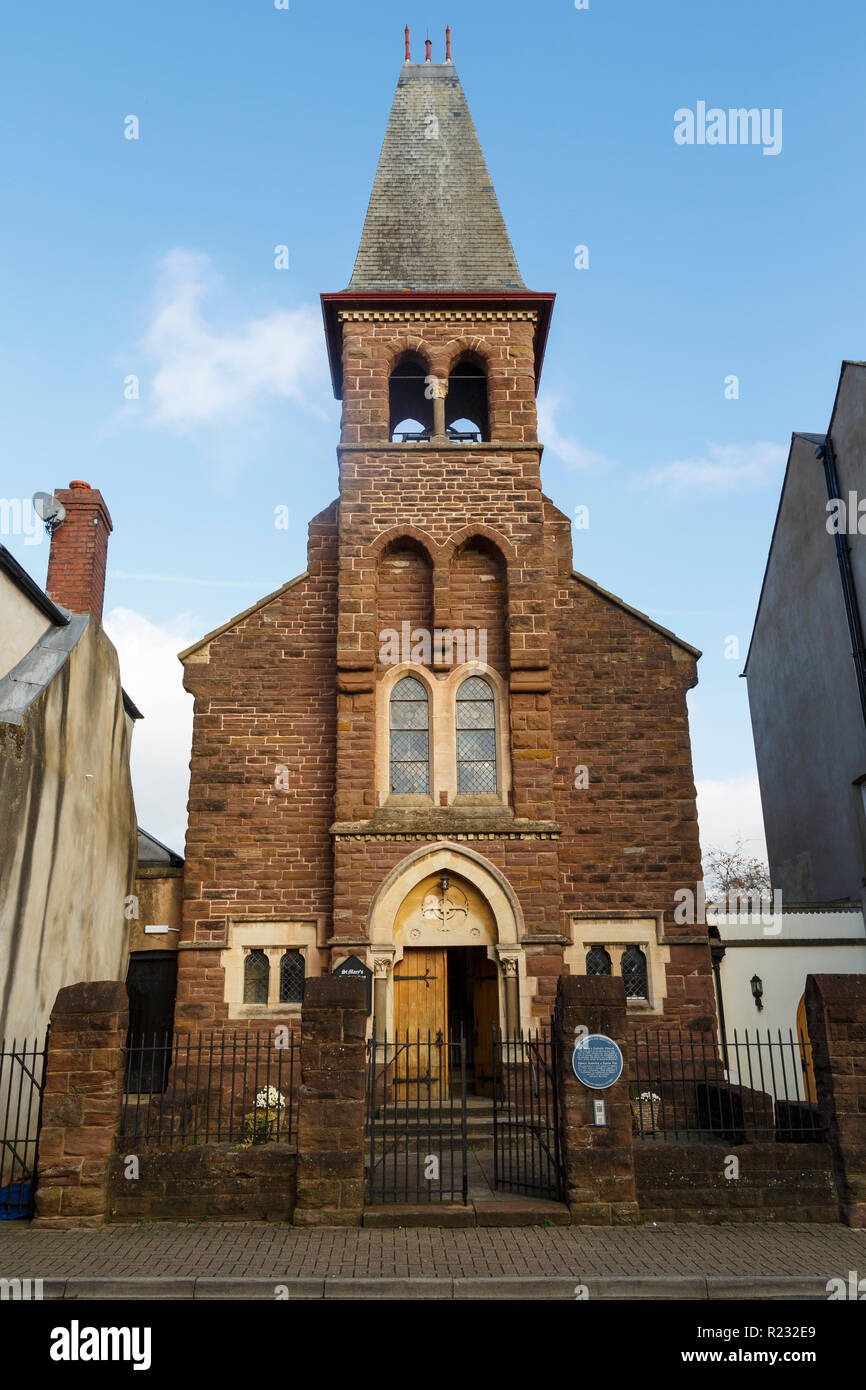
410	400
467	417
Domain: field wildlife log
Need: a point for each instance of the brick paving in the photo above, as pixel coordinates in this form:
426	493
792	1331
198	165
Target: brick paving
262	1250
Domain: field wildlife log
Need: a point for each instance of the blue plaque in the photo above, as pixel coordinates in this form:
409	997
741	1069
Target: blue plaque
597	1061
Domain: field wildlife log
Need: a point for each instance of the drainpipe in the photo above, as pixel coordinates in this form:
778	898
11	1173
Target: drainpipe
843	554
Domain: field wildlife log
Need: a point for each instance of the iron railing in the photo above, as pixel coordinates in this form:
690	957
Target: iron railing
218	1088
22	1074
687	1086
526	1152
416	1119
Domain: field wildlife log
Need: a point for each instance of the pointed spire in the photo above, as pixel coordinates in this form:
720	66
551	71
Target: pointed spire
433	222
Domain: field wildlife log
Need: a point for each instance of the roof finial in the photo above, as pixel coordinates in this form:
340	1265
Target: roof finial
427	59
408	54
448	43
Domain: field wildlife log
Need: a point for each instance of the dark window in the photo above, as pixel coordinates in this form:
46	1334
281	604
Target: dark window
410	400
466	414
292	973
410	758
256	973
634	975
476	737
597	961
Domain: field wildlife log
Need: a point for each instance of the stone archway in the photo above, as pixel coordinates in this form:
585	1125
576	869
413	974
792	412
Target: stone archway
478	908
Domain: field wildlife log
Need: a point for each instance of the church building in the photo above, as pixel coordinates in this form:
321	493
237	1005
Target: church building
440	750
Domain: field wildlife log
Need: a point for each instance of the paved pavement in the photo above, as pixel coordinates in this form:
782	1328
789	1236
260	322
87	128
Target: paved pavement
249	1260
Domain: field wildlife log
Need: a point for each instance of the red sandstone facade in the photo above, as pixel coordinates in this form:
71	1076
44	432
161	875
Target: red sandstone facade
295	840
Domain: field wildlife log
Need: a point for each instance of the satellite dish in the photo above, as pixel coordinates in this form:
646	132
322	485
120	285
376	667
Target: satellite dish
52	512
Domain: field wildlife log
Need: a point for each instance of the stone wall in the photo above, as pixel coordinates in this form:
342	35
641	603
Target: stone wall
215	1181
81	1104
777	1182
597	1160
264	697
836	1016
332	1105
160	903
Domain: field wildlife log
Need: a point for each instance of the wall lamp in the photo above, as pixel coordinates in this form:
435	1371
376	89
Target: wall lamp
757	991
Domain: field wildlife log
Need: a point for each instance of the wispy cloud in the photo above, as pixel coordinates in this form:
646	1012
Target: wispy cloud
724	468
572	453
204	374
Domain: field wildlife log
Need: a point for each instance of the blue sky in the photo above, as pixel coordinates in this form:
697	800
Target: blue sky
260	127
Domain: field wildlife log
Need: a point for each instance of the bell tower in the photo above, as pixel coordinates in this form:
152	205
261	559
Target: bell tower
436	349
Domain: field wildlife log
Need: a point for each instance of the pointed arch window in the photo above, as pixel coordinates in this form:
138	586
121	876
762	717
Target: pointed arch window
256	976
292	973
476	737
409	735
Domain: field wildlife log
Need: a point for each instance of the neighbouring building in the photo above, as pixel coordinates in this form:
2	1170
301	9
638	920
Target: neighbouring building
67	819
806	667
440	749
762	959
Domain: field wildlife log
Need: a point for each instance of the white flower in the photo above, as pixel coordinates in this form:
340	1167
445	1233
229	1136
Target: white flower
269	1099
649	1096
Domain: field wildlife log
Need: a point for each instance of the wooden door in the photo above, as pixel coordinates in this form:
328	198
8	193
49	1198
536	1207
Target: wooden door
485	999
806	1062
421	1012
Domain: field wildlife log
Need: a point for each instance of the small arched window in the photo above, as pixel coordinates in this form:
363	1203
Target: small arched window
597	961
410	400
292	974
466	412
256	975
410	755
476	737
634	973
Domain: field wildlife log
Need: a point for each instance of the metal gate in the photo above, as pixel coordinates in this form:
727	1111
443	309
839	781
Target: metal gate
22	1075
416	1119
526	1151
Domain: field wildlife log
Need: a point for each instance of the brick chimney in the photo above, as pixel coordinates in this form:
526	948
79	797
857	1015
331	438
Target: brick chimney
79	546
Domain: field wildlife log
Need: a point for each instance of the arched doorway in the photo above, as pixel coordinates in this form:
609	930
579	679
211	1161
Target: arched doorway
446	983
444	931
